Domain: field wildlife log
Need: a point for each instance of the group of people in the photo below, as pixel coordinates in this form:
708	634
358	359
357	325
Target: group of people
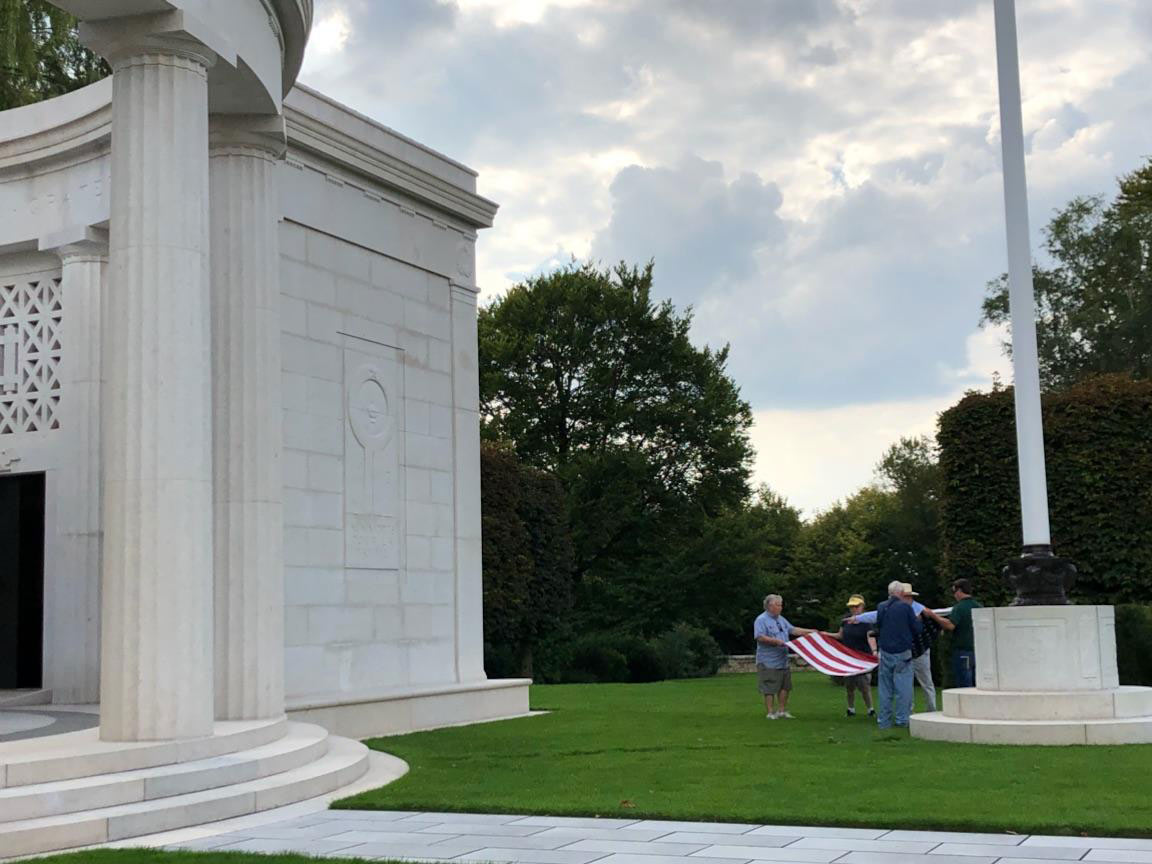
898	632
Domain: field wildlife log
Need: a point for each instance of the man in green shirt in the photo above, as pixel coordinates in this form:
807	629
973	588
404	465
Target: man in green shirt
963	641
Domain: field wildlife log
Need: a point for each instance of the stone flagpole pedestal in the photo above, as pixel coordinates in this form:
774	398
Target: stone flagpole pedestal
1045	675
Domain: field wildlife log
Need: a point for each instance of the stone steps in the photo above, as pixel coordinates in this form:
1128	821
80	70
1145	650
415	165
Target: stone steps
301	745
22	698
82	754
304	763
1119	703
939	726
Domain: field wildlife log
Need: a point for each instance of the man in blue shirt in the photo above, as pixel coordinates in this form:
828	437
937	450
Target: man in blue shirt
773	673
921	663
896	626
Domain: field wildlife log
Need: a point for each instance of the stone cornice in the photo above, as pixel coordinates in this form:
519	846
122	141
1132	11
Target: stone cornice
288	22
348	150
67	128
77	243
77	127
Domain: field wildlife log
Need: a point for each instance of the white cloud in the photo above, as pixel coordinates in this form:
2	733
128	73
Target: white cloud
819	177
818	456
815	457
330	34
512	13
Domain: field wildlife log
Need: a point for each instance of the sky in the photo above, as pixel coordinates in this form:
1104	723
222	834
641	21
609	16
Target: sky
818	179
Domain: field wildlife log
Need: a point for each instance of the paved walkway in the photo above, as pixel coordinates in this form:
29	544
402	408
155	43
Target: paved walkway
36	722
438	837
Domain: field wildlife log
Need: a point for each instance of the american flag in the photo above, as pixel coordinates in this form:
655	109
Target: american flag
831	656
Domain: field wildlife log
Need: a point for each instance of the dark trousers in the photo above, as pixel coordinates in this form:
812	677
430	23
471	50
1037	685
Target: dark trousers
963	668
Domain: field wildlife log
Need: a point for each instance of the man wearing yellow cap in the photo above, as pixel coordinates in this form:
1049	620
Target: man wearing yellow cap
859	637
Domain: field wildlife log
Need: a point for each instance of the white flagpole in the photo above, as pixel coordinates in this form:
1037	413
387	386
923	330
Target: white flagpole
1029	427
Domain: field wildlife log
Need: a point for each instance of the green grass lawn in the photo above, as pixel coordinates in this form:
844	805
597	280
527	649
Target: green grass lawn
703	750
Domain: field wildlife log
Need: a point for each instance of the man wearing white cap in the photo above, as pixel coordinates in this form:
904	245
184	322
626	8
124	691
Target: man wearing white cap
922	663
896	627
922	658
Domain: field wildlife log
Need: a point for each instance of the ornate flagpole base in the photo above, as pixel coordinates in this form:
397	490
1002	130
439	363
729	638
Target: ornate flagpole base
1040	578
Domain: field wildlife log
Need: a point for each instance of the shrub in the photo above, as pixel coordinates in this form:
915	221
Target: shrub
1134	644
597	658
552	657
501	661
688	652
644	663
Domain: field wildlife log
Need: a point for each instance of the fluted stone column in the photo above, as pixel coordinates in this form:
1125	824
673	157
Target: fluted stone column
466	443
248	478
74	672
156	658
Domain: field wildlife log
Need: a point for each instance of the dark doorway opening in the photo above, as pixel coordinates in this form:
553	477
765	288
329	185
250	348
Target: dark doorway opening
21	581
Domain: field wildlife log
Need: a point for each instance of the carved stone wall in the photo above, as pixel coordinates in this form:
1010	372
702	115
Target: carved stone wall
30	350
374	435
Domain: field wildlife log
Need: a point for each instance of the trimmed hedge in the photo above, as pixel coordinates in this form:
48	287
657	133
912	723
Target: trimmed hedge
1134	644
527	555
1098	445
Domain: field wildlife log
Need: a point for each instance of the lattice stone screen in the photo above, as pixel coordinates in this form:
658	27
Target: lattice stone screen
30	317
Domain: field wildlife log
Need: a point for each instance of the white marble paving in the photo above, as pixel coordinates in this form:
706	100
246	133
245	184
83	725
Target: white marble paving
482	828
806	831
635	847
961	837
540	856
692	827
707	838
1046	853
1128	856
761	853
511	839
860	845
1133	843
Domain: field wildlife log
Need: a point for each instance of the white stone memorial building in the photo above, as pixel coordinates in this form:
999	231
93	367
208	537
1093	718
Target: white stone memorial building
239	430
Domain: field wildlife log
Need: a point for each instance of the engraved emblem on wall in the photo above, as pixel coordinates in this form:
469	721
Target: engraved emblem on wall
373	444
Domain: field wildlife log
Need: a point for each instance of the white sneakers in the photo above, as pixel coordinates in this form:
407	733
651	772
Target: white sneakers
779	715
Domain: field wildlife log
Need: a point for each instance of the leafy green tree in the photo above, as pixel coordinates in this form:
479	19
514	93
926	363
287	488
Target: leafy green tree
843	551
589	377
886	531
40	54
1094	303
910	471
719	576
